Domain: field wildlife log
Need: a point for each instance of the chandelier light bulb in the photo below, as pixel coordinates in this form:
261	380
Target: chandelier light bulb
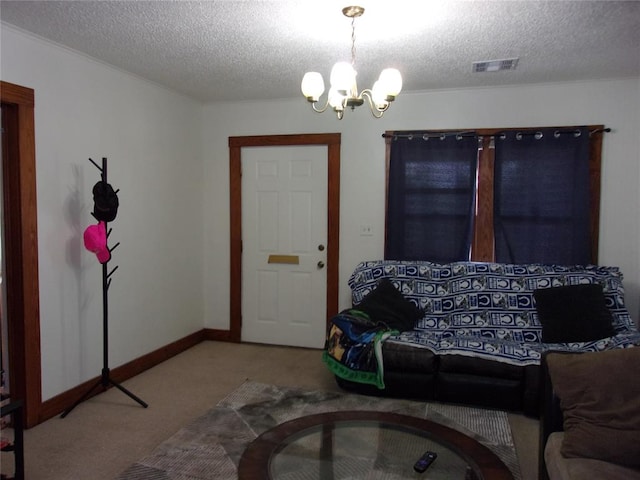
343	77
312	86
336	99
343	92
379	96
391	81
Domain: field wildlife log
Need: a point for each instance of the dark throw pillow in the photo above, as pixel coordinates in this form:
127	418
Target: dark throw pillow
385	304
574	313
600	401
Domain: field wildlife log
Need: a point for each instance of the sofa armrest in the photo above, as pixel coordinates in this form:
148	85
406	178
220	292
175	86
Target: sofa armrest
550	414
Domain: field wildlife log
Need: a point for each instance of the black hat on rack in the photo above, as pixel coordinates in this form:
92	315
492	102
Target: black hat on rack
105	202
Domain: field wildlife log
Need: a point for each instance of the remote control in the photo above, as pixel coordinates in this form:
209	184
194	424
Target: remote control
425	461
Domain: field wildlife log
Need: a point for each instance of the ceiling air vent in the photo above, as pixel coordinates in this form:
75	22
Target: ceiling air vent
495	65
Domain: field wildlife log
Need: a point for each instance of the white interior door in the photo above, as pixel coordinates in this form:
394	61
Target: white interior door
284	239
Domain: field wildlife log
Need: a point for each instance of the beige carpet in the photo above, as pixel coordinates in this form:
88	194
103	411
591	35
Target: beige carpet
102	437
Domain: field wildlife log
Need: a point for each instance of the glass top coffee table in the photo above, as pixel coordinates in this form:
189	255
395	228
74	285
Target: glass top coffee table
366	444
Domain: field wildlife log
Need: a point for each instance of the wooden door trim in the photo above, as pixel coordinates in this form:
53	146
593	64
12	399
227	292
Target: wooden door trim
332	141
20	209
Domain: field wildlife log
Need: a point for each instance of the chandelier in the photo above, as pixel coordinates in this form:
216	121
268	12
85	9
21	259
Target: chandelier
343	92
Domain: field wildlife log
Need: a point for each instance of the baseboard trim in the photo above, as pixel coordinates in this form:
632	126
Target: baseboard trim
58	404
218	335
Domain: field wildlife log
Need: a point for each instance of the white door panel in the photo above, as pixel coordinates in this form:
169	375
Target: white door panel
284	219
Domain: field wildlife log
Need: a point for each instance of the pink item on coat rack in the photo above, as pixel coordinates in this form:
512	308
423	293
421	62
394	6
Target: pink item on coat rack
95	240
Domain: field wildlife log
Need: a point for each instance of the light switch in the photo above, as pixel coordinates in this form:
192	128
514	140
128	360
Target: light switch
366	230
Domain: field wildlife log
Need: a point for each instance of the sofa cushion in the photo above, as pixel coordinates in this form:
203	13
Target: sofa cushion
573	313
480	366
600	401
405	357
561	468
385	304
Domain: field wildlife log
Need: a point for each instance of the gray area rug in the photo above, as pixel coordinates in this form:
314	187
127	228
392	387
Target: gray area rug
210	447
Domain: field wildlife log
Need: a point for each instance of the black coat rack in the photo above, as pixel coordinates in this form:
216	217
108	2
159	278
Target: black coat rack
105	379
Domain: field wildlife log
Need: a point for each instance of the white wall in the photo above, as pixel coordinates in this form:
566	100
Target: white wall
151	137
169	157
614	103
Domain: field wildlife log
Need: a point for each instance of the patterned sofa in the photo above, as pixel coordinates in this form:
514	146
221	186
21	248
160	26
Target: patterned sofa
477	338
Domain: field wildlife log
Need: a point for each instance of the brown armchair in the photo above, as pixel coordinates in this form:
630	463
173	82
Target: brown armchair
600	411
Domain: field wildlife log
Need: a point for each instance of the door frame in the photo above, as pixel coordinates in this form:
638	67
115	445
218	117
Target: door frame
21	239
332	141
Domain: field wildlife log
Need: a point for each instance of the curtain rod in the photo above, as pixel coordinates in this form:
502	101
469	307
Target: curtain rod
426	135
538	134
600	130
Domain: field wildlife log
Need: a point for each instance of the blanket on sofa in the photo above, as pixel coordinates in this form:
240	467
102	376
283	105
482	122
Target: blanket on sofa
487	310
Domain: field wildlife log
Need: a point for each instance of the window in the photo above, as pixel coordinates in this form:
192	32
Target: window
431	197
499	195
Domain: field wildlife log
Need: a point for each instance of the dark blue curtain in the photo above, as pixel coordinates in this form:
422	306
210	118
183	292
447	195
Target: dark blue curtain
541	197
431	197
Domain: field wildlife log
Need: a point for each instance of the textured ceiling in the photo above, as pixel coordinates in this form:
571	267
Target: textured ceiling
241	50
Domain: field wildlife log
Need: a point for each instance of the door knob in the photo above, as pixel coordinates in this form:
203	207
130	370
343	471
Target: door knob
320	264
321	247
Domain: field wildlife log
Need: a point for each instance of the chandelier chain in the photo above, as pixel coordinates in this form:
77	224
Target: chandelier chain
353	42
